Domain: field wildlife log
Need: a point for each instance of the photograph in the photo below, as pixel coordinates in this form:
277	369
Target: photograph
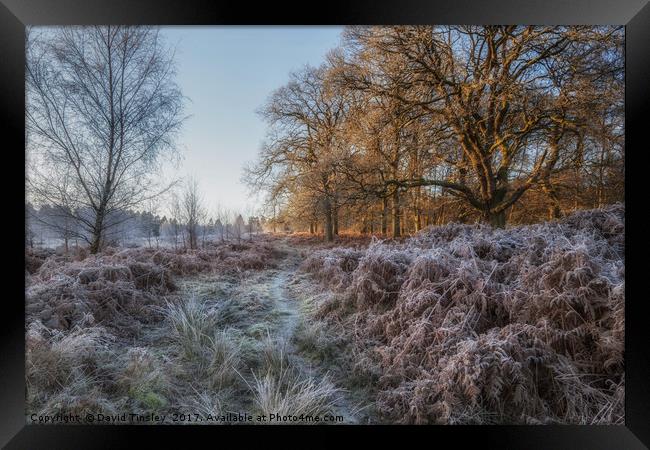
325	225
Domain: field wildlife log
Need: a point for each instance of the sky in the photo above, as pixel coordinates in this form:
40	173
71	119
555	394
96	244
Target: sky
228	73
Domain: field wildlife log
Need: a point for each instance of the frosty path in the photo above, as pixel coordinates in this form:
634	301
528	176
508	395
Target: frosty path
291	312
264	317
287	307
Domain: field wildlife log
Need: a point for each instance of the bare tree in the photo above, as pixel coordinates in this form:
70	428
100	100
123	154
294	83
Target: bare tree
193	211
221	222
252	223
102	108
173	228
206	230
238	226
302	147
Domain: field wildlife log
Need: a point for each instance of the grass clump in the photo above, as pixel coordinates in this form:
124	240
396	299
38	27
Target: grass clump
223	358
284	393
315	339
192	323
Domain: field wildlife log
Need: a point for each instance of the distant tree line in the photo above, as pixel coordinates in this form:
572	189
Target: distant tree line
408	126
47	226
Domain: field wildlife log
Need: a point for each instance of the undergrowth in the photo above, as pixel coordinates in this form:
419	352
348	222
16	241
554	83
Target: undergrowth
468	324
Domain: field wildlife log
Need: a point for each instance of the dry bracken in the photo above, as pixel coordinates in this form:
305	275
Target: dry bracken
469	324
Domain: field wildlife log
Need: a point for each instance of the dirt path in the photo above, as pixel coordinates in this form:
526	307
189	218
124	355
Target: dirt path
287	307
291	313
265	306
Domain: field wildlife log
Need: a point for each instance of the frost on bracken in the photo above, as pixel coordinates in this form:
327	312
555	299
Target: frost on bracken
469	324
122	288
90	321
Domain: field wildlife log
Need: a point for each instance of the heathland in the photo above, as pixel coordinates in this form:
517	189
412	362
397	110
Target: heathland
457	324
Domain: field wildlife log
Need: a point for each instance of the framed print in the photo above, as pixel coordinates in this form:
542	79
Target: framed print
364	218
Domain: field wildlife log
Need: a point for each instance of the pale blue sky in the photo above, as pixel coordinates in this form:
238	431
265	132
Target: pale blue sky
228	73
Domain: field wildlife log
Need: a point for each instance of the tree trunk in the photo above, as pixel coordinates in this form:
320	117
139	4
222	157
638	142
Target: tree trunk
441	215
384	216
95	243
191	232
397	232
416	211
577	167
554	209
335	219
311	227
329	232
497	220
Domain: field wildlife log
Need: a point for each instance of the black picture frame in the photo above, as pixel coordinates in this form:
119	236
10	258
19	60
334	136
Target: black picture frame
15	14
